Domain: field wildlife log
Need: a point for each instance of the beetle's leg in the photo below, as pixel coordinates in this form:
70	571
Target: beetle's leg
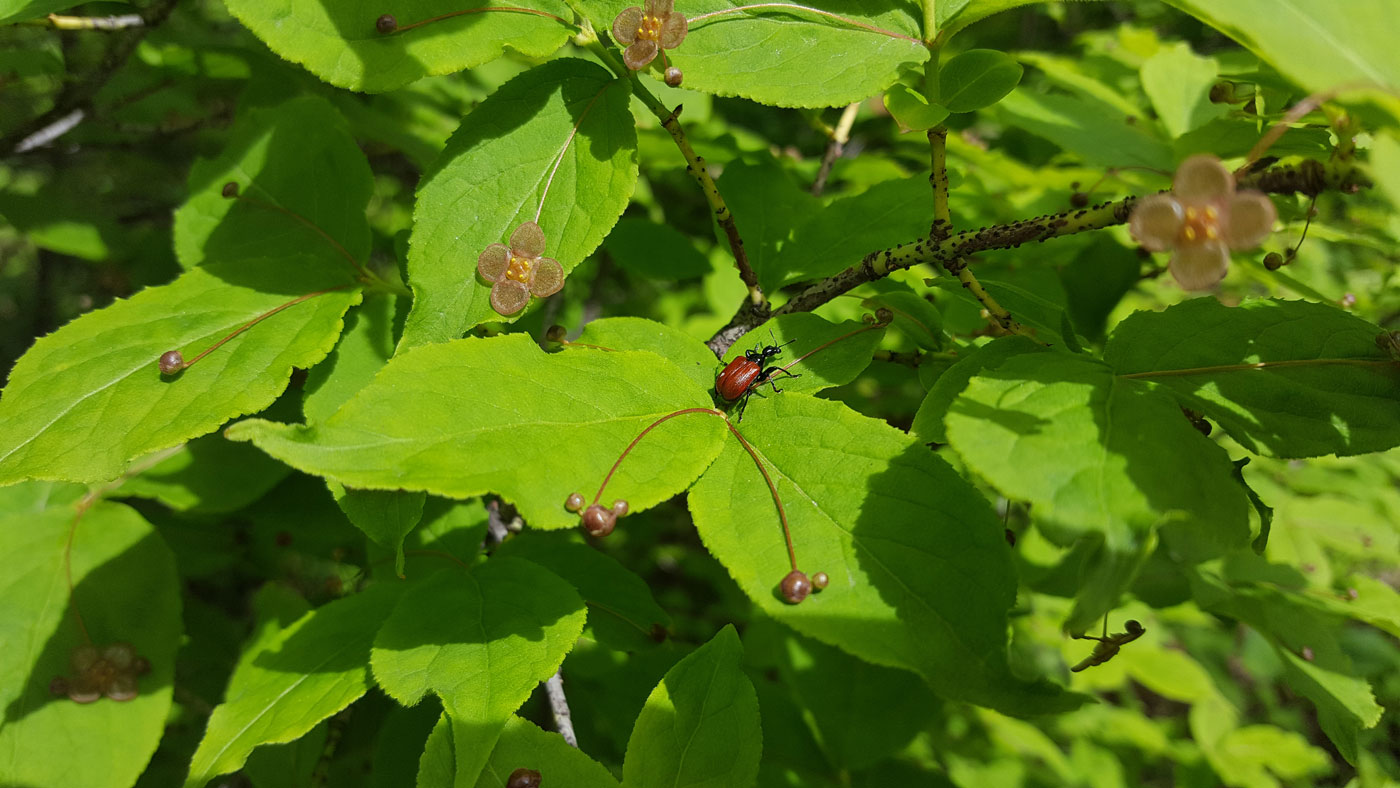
743	403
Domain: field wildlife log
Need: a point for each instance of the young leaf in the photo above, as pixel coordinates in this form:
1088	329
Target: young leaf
700	726
275	164
561	133
289	680
386	516
976	79
921	577
622	613
126	590
1178	81
340	43
481	640
912	110
1285	378
788	57
522	745
465	418
1095	454
88	398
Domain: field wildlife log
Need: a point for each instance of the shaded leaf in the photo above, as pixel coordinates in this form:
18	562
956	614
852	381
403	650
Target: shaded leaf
1178	81
655	250
208	474
1097	133
523	744
976	79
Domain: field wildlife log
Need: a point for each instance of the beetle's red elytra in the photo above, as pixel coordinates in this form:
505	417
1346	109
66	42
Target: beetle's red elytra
741	377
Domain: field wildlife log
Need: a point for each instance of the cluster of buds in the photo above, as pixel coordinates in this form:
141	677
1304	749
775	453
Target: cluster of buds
111	671
597	521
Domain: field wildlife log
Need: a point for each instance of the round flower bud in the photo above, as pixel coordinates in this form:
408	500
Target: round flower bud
574	503
524	778
1273	261
598	521
619	508
230	190
171	361
820	580
1079	199
386	24
556	333
795	587
674	76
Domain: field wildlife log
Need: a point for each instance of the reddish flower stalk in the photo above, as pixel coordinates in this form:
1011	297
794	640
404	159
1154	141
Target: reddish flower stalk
231	191
172	361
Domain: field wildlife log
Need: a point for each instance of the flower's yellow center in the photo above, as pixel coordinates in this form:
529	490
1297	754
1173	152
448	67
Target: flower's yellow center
650	28
1201	224
519	269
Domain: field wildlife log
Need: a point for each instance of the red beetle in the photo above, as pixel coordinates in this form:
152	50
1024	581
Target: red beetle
742	376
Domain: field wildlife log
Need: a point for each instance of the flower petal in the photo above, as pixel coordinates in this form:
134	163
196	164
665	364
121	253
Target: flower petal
1251	219
527	241
84	690
639	54
1155	222
509	296
1199	266
673	32
549	277
493	262
624	27
122	687
1201	179
660	8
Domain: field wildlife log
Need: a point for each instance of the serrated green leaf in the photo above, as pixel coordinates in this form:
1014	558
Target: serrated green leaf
558	140
690	355
928	420
1328	387
522	743
481	640
1095	454
365	346
1178	81
1096	132
465	418
622	613
288	680
88	398
826	241
921	577
386	516
768	205
864	712
700	725
323	177
339	43
208	474
976	79
126	590
912	110
654	250
788	57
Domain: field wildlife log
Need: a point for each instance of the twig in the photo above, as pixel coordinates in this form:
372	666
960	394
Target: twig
1307	177
116	22
839	137
559	705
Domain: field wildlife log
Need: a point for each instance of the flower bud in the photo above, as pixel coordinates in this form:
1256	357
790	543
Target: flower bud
795	586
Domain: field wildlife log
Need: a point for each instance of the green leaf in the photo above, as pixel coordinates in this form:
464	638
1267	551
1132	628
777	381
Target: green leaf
825	242
1096	132
19	10
481	640
954	15
788	57
386	516
1326	387
928	420
89	397
912	110
365	346
1178	81
208	474
914	315
655	250
921	577
473	416
339	43
864	712
1032	308
523	744
976	79
558	139
700	725
768	205
822	354
690	355
1309	42
288	680
126	590
1096	454
322	177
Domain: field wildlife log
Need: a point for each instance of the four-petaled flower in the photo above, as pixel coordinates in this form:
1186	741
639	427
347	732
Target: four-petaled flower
1201	220
111	671
646	32
518	271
